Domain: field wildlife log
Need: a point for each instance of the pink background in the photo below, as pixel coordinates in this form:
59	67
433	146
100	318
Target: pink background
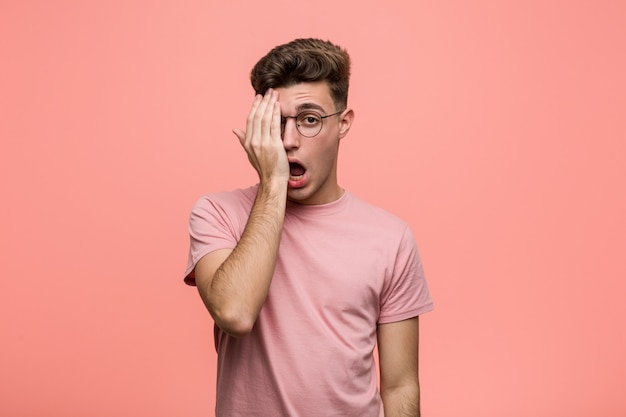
496	129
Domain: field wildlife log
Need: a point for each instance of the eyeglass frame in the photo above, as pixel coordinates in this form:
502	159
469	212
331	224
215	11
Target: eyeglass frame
283	122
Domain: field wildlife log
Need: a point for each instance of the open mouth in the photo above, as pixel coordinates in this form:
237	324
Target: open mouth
296	171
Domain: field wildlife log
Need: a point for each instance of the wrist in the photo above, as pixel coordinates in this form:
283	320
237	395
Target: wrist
273	187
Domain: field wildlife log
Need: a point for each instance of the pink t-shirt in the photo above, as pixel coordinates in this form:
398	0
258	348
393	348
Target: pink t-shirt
342	268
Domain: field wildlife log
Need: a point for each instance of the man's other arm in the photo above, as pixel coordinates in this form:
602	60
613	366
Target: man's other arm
398	358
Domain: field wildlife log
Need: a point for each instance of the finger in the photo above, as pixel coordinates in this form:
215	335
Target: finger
252	115
276	125
269	114
255	105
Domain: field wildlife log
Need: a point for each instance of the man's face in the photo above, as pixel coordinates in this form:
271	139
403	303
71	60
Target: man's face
313	161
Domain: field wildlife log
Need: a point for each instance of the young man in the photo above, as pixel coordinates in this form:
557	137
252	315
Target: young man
301	277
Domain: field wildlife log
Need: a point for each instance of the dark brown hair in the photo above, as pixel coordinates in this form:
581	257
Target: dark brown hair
304	60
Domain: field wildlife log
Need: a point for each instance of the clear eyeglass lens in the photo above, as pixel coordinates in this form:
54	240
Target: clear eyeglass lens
309	124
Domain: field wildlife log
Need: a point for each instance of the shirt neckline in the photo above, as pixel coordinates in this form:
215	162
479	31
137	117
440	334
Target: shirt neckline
319	209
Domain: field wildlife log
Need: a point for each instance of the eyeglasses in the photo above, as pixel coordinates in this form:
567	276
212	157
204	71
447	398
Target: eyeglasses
309	123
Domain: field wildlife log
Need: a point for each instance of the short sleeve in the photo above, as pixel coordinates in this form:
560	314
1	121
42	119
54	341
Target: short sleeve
210	228
405	293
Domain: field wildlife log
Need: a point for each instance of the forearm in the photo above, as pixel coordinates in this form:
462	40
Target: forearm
240	285
402	401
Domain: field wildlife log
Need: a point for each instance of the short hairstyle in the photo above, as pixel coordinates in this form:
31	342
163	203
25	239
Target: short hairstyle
304	60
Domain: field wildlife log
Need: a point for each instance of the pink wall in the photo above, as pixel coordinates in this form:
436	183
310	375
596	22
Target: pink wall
496	129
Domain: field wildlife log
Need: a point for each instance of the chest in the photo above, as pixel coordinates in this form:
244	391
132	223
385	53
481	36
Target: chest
332	272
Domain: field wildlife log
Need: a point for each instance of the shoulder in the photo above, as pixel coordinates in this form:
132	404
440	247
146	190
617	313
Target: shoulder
227	208
375	215
226	200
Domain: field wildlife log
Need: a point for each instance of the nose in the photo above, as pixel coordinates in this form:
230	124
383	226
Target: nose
290	134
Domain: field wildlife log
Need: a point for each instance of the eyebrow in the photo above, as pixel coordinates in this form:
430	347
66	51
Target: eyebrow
309	106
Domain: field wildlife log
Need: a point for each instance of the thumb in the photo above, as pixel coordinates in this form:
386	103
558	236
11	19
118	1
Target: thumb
241	135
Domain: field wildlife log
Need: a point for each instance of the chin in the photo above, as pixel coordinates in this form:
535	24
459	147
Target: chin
299	195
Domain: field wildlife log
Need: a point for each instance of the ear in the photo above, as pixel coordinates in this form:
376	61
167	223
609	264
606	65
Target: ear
345	122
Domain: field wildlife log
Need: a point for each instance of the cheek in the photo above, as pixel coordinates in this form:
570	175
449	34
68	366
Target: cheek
328	158
322	155
323	152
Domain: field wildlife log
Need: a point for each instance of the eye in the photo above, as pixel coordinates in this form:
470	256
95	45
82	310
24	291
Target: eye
309	119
